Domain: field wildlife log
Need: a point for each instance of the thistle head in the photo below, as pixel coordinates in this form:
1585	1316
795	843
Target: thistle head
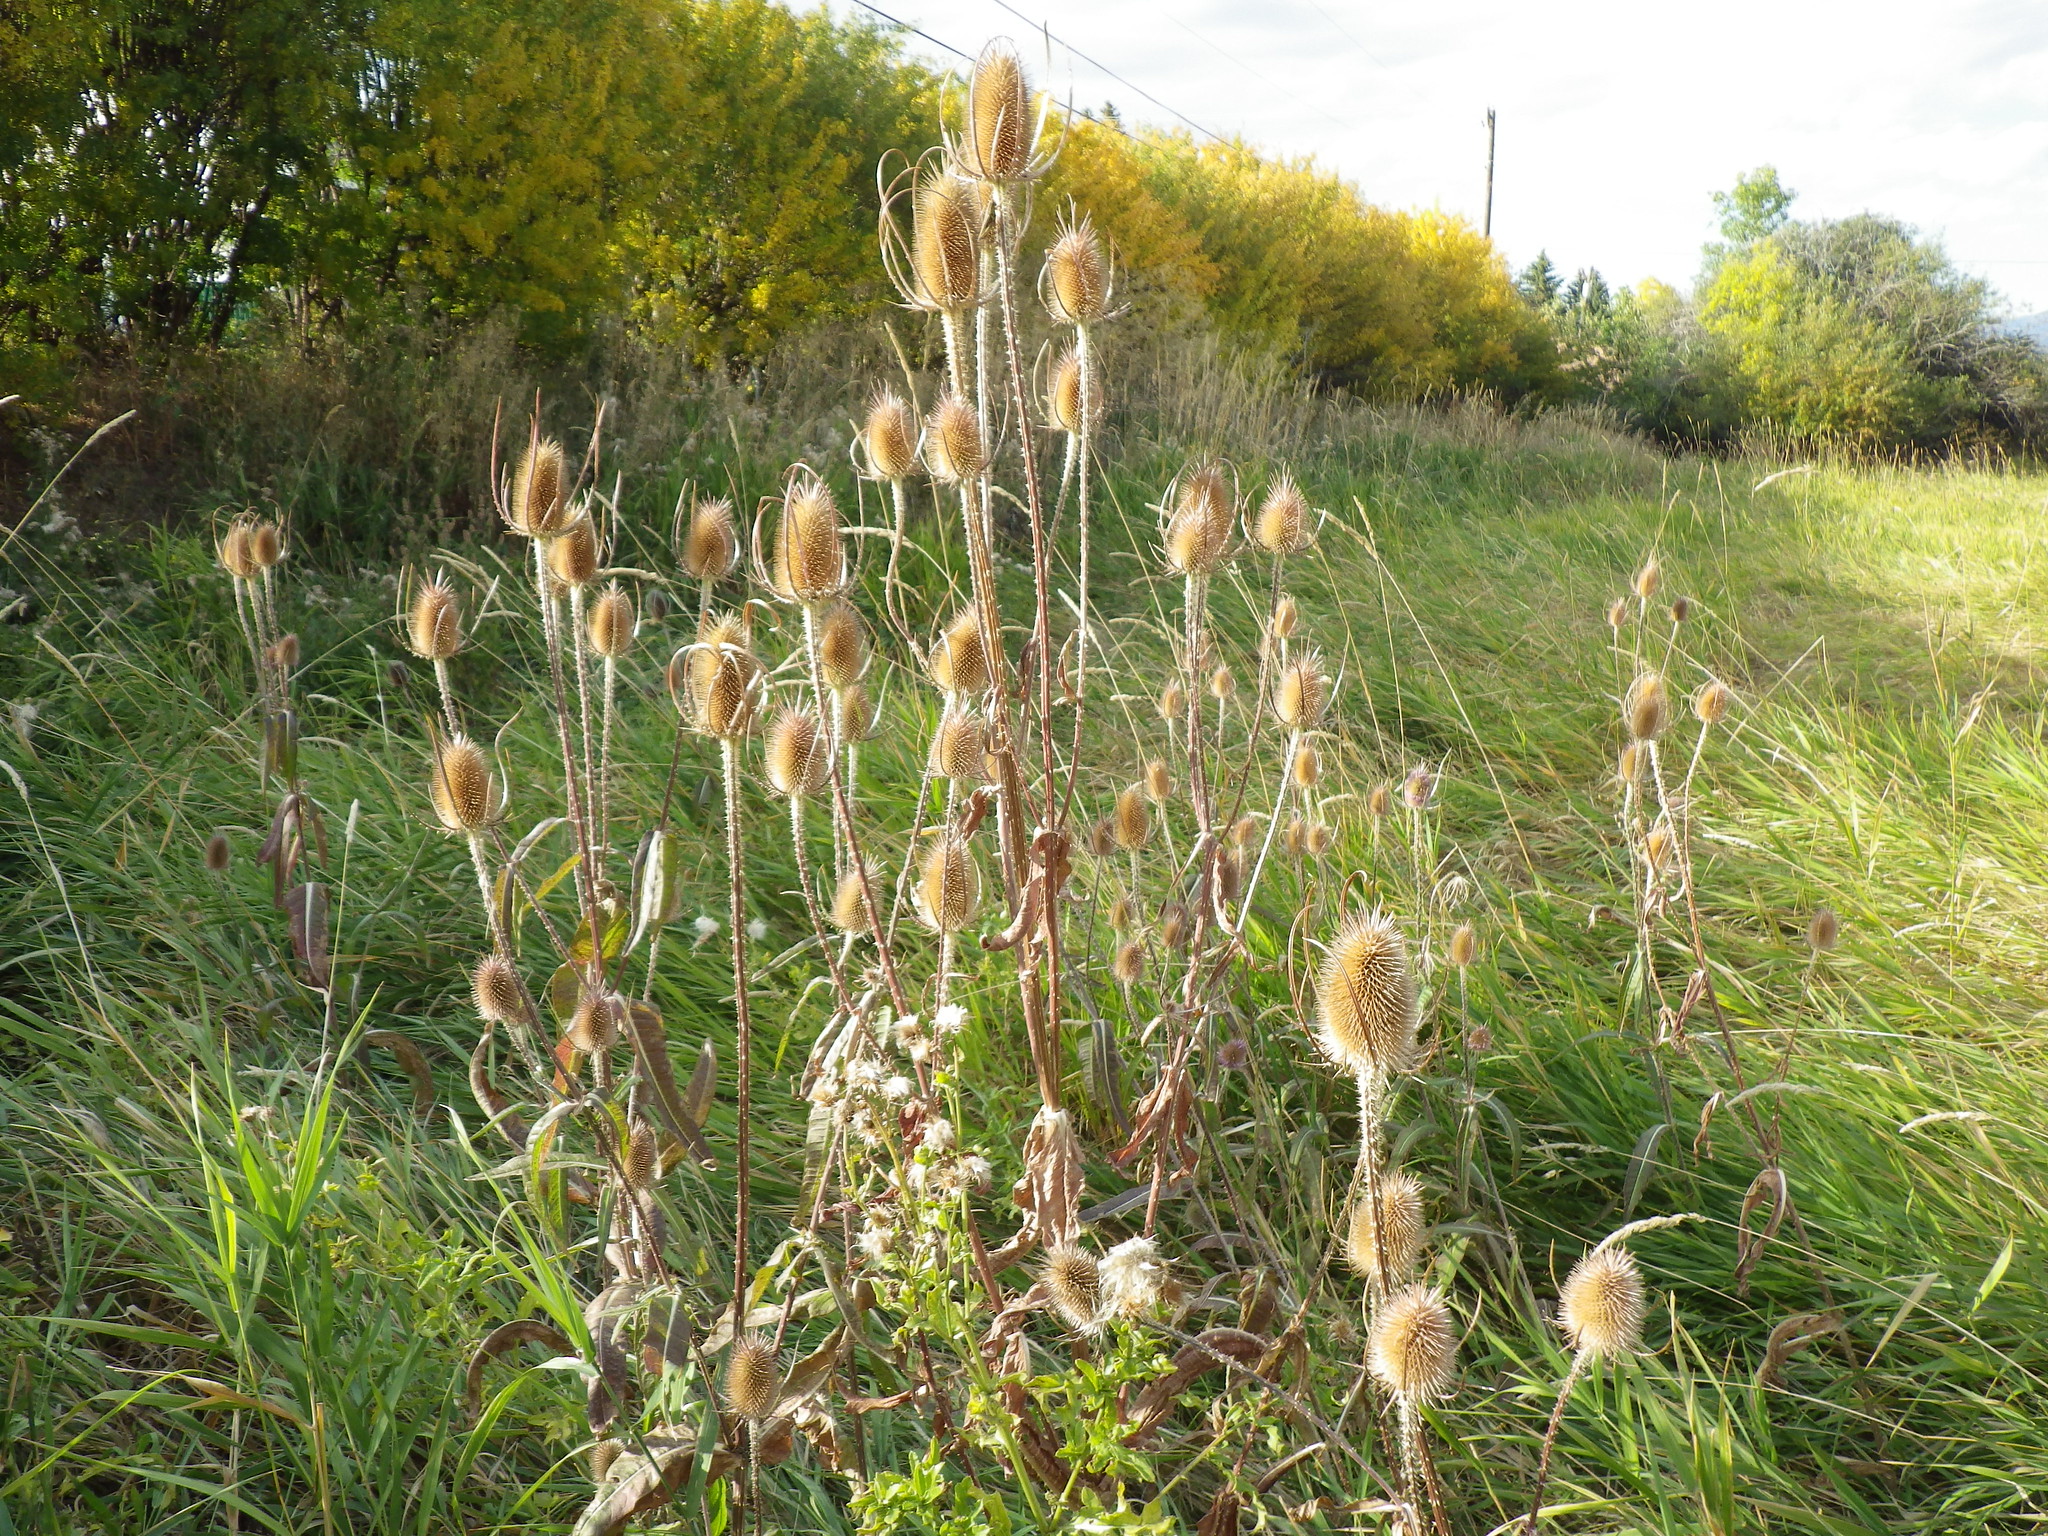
1413	1348
1073	1279
1646	710
1397	1233
719	679
1131	821
1000	128
234	551
945	244
537	499
495	989
1301	693
573	554
463	786
266	544
959	662
433	628
1076	283
1286	524
1365	999
1198	528
842	646
753	1377
960	746
810	547
611	623
955	451
799	754
1711	704
949	887
711	545
890	436
1602	1303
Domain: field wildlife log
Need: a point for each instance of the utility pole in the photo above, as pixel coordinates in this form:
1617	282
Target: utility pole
1486	229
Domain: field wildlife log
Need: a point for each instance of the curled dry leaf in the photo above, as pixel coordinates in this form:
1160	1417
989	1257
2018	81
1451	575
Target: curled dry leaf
521	1330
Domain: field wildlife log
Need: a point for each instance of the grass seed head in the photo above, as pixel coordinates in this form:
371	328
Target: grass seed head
1301	693
1464	945
218	853
1646	711
999	122
463	787
711	546
612	623
1649	579
1158	782
266	545
890	435
1073	1278
1602	1303
960	747
1365	999
1286	524
537	506
1823	930
959	662
955	451
1132	820
1077	274
810	548
1198	531
572	554
1711	704
495	989
842	646
1399	1231
434	627
799	753
949	890
1413	1348
945	244
753	1377
234	551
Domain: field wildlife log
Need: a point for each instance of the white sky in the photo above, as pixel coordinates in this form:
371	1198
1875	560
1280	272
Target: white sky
1618	118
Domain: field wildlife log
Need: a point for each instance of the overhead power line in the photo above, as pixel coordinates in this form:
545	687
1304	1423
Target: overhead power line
1119	79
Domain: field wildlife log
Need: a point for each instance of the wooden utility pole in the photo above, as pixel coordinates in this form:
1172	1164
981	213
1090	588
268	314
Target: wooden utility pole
1486	229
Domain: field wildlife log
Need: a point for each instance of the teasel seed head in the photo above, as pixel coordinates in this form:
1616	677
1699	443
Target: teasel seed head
960	747
711	546
1617	613
1633	763
1286	525
1649	579
842	646
1321	838
643	1156
462	785
218	853
612	623
1710	705
602	1455
1127	966
1658	846
1301	693
1399	1231
1123	915
494	988
1286	618
1824	930
655	606
537	503
1076	284
1063	399
959	662
234	551
1158	782
945	243
1073	1279
1380	803
1102	838
573	554
799	754
1419	788
434	627
1365	999
1000	127
853	711
1131	820
1244	830
850	904
890	436
1464	945
753	1377
266	544
1228	874
722	677
1198	531
1296	837
954	447
1307	767
1647	708
1134	1279
810	549
594	1026
1601	1305
284	655
1173	702
1681	609
1173	925
1413	1348
949	890
1222	682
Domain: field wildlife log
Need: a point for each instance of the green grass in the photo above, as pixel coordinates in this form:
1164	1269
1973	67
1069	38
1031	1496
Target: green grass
189	1197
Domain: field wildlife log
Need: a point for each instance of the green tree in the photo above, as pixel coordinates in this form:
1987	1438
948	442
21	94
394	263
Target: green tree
1757	207
1540	282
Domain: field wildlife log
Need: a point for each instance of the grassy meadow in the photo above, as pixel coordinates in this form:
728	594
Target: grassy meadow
253	1233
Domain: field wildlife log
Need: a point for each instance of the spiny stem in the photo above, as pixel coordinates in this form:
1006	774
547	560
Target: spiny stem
1564	1393
743	1022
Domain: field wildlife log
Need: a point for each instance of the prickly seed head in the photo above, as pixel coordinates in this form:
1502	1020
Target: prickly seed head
1601	1305
1286	524
1295	838
284	655
218	853
1131	820
1633	763
1464	945
1127	966
850	904
853	713
1229	874
1617	613
611	624
1658	846
1063	399
1419	788
643	1156
1398	1233
1158	782
495	989
999	122
1244	830
1301	693
1222	682
602	1456
1123	913
1173	925
842	646
1710	705
1824	930
434	627
1198	531
266	545
1077	275
1073	1279
1380	802
711	546
1173	702
890	435
462	785
753	1377
1365	999
537	504
1646	711
949	891
1321	838
810	548
572	554
945	243
1102	837
1307	767
234	551
799	754
959	661
1413	1348
954	448
1681	609
720	677
960	746
594	1026
1649	579
1286	618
